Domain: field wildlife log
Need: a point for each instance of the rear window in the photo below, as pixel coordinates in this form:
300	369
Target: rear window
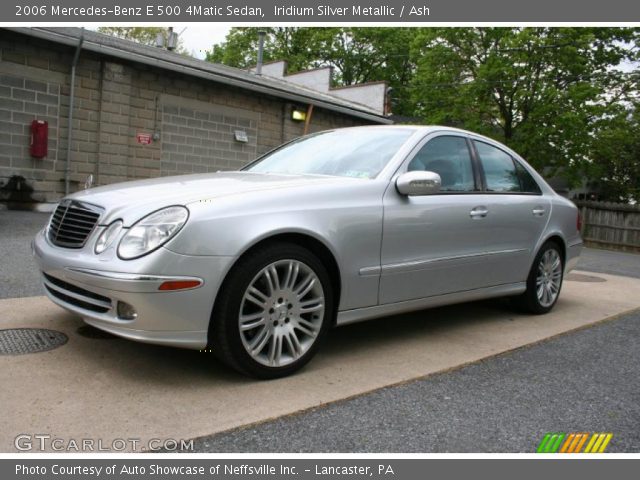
503	173
499	169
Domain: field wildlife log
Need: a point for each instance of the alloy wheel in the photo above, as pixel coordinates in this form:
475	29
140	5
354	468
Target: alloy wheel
281	313
549	278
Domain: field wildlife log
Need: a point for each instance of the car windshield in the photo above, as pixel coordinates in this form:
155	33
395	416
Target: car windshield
360	153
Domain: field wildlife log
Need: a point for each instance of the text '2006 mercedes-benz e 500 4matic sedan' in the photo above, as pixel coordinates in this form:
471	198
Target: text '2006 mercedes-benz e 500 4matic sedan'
331	228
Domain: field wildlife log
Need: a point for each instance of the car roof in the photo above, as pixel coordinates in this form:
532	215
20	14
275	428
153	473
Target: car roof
424	129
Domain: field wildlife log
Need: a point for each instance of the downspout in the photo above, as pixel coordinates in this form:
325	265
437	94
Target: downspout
100	102
67	167
307	121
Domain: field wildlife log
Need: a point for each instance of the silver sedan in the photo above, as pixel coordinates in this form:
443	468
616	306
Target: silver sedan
329	229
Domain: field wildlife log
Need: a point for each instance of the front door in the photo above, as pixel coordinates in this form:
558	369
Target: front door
436	244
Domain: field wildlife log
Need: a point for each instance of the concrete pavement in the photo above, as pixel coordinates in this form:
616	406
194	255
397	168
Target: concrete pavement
111	388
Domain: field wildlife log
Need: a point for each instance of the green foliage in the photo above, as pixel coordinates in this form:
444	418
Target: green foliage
542	91
561	97
616	157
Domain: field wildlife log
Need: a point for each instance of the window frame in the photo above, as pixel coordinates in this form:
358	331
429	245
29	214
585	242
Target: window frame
477	179
516	164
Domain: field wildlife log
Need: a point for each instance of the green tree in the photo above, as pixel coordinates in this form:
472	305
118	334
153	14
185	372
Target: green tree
561	97
143	35
615	171
542	91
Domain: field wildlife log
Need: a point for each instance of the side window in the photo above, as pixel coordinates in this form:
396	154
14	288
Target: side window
529	185
448	157
499	169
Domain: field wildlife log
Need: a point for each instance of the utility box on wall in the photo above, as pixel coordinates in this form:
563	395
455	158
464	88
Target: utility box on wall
39	139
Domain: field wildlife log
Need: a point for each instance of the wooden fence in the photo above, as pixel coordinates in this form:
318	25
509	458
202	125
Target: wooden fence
610	225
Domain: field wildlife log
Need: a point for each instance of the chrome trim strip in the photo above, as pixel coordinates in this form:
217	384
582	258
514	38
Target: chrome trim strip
132	277
370	271
418	264
359	314
77	296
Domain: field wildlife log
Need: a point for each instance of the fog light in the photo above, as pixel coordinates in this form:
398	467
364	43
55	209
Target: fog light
126	311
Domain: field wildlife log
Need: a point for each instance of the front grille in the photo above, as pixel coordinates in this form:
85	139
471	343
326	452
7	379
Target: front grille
76	296
72	222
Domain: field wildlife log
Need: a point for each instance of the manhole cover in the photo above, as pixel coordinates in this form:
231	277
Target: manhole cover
88	331
578	277
19	341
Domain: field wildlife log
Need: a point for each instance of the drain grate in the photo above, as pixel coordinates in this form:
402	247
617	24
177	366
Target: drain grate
20	341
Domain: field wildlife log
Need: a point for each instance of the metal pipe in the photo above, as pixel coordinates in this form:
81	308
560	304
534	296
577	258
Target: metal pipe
307	120
261	35
72	92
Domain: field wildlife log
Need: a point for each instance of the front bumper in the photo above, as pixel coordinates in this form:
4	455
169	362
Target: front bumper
92	285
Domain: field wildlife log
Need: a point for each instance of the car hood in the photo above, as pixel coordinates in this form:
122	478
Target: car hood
129	201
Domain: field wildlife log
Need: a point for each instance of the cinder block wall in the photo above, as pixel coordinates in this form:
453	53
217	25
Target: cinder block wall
115	100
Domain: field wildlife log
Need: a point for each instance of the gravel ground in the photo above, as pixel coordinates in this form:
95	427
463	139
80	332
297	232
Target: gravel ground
18	274
606	261
584	381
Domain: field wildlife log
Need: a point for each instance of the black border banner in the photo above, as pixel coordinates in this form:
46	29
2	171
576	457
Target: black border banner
321	468
328	11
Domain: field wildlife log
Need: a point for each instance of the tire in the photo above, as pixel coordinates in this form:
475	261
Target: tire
273	311
544	281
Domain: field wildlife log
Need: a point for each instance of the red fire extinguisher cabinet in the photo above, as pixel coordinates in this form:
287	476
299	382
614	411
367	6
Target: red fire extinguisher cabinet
39	138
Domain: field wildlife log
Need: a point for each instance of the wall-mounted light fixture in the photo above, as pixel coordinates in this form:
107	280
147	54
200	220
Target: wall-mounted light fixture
241	136
298	115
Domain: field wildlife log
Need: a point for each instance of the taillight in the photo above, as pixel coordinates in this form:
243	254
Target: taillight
579	221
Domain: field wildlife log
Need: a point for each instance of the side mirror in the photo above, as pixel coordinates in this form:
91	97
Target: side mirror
418	183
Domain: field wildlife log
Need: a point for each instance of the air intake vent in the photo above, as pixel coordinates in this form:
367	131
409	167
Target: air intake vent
72	222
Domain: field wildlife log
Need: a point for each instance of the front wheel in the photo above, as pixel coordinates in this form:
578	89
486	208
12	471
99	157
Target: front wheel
272	312
544	281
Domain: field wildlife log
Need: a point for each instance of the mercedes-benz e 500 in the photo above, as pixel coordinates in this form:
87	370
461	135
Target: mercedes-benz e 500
331	228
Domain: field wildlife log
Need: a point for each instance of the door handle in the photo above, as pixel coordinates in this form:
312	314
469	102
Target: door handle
538	211
478	212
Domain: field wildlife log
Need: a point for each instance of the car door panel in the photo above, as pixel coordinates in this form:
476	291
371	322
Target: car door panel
434	244
519	212
512	230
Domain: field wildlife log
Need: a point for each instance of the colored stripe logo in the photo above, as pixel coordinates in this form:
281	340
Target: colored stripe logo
574	442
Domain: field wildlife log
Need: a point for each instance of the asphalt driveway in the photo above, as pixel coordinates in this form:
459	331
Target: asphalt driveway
583	381
18	274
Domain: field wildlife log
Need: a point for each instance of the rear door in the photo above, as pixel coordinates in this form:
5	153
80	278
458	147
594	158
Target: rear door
517	213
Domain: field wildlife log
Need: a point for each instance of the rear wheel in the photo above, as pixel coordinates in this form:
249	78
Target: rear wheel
272	312
544	281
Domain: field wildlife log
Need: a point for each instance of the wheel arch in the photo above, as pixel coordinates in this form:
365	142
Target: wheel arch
316	246
559	239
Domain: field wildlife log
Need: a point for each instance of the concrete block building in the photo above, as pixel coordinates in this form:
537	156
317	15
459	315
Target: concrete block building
141	112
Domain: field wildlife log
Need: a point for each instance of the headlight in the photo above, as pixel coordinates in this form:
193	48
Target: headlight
152	232
108	236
